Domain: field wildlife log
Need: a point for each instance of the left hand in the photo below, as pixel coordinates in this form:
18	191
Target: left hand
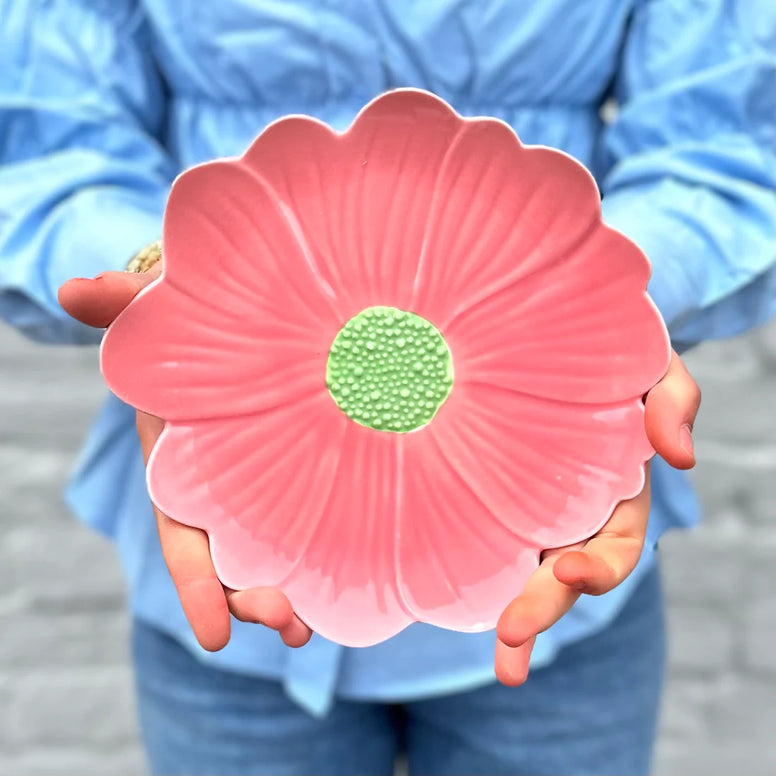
206	603
600	563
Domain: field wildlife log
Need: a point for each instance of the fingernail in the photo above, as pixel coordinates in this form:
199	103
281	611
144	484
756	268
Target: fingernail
85	280
685	439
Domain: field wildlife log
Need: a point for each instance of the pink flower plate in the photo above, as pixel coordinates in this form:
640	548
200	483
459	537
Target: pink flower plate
394	364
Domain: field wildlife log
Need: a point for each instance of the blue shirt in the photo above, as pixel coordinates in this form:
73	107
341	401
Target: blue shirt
103	102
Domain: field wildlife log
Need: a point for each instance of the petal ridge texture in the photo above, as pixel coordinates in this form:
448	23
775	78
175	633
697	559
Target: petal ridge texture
501	247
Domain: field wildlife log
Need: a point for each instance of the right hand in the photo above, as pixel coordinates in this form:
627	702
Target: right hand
206	602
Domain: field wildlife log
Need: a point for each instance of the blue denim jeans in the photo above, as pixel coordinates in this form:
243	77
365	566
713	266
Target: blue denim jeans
592	711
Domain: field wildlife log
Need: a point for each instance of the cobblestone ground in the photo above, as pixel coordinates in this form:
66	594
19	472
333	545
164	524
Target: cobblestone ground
65	690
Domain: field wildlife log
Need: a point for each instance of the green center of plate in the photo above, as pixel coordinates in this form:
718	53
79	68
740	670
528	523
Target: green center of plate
389	370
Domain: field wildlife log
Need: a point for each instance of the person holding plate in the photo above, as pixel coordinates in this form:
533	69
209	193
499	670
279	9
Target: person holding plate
103	104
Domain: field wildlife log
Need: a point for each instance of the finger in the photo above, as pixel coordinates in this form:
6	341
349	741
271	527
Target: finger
671	407
544	600
186	552
296	633
609	556
97	301
265	605
149	427
269	606
595	567
511	663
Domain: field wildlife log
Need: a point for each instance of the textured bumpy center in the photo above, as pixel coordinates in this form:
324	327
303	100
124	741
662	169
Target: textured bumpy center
389	370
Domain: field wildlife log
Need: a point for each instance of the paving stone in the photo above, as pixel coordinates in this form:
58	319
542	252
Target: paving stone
699	641
726	361
764	340
72	761
63	640
683	712
699	568
758	604
88	707
759	637
706	757
741	487
59	568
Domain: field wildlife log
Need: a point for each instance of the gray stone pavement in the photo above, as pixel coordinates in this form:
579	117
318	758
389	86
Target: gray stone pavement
66	702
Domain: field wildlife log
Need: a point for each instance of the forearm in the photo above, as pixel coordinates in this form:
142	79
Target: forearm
83	177
689	168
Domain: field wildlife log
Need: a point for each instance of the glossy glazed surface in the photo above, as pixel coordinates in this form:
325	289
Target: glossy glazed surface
502	248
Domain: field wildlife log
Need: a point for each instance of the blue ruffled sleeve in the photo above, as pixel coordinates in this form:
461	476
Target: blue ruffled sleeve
83	178
689	162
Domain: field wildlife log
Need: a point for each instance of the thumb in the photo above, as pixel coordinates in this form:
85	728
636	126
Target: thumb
671	407
97	301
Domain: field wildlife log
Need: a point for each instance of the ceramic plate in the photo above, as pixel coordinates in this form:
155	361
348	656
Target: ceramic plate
395	364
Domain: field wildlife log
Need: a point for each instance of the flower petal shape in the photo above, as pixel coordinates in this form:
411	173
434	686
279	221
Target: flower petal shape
319	526
498	477
571	344
239	320
499	216
363	197
394	365
185	360
499	248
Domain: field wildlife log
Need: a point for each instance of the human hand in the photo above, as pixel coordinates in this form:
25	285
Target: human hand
602	562
206	602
